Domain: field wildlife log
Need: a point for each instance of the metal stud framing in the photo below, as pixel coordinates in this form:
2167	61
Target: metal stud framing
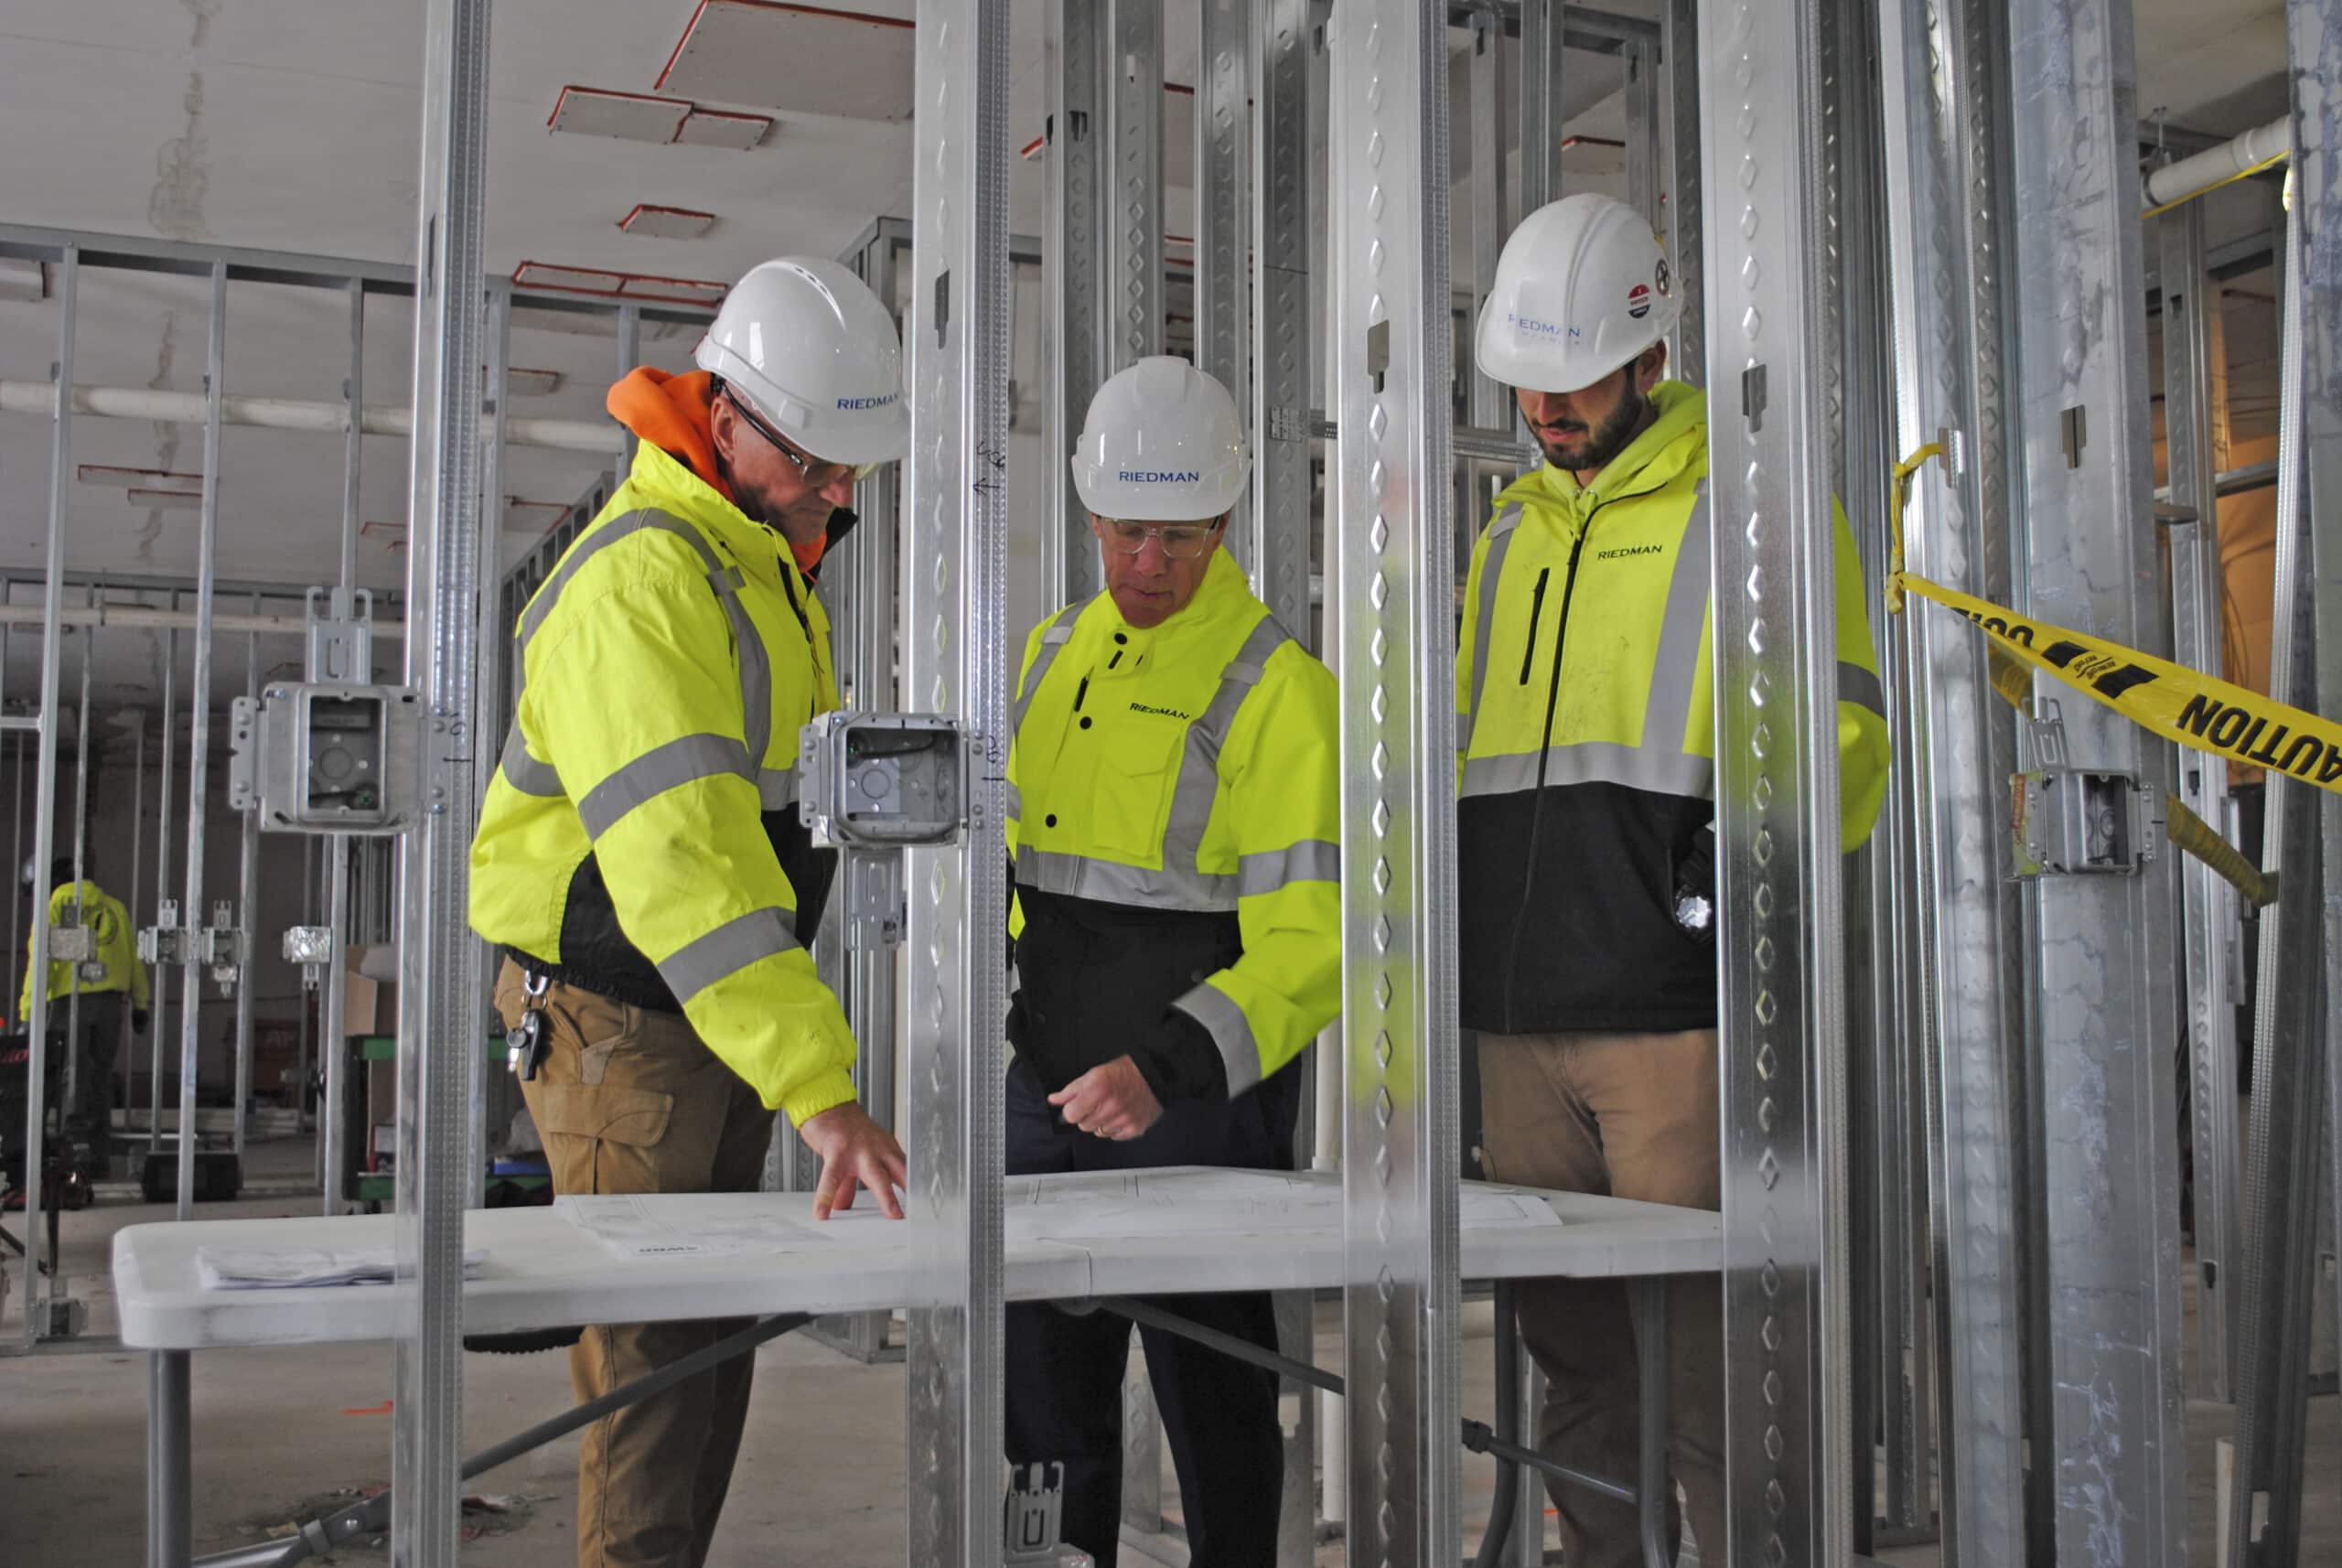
60	452
1283	311
2315	30
1134	180
2290	1054
1543	103
2108	1185
1395	567
2190	322
438	1013
1686	228
192	914
1786	1331
954	578
1224	208
1950	793
1074	346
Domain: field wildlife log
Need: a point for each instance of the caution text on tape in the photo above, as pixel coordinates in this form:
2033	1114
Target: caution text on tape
2175	702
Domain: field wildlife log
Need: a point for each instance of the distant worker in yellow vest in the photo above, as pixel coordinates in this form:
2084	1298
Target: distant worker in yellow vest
106	981
639	858
1586	824
1174	818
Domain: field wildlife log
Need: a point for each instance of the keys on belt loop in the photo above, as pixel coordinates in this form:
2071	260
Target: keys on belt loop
525	1044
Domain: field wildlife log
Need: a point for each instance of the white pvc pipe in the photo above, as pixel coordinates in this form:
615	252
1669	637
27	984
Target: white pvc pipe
39	398
2190	176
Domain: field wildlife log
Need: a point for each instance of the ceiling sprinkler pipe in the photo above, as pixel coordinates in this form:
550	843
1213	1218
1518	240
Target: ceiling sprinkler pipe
39	399
222	621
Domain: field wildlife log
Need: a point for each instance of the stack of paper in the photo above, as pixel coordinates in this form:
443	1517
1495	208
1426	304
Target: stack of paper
297	1267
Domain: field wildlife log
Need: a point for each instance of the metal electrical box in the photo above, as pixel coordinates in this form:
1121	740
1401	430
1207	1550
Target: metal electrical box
2070	821
881	780
329	757
869	785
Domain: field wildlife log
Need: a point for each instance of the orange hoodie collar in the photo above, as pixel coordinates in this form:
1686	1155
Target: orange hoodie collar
671	413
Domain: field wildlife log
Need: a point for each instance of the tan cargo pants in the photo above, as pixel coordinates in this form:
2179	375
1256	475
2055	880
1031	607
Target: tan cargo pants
1632	1116
630	1100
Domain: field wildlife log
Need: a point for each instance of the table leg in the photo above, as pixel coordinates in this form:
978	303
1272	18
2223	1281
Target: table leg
170	1537
1653	1485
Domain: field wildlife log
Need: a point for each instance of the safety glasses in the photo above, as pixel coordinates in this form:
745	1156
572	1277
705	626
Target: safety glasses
1181	540
816	474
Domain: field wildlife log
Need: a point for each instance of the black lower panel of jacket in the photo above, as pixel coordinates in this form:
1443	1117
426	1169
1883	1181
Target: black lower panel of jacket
1581	936
1096	982
597	955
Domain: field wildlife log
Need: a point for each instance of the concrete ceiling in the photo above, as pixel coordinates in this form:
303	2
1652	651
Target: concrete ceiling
292	125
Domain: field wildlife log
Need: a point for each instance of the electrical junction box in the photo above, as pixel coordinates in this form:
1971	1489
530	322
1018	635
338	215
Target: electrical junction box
881	780
2070	821
869	785
328	759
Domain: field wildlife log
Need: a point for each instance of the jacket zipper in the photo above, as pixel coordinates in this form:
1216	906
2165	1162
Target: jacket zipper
1536	609
1545	753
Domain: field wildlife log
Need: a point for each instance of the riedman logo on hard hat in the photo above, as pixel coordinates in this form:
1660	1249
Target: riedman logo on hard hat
1639	301
1159	477
1530	324
850	403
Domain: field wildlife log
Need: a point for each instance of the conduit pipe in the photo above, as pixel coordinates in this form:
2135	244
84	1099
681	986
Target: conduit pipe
176	620
596	435
2188	178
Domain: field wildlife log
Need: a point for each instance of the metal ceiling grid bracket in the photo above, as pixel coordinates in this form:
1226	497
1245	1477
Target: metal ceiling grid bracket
1393	551
1133	91
439	969
1284	311
1788	1444
1946	818
2105	1108
954	570
1073	350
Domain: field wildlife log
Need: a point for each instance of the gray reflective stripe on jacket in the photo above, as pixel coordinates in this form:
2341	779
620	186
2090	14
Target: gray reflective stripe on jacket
656	771
1240	1053
775	787
1180	884
1662	770
1675	669
1501	535
726	950
1053	642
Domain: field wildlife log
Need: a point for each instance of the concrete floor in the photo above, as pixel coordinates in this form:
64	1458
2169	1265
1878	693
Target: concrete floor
819	1476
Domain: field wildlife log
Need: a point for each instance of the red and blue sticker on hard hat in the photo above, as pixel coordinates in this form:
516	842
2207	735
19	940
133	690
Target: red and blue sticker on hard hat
1639	301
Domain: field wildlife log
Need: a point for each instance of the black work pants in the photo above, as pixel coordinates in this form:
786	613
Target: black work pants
99	1043
1065	1373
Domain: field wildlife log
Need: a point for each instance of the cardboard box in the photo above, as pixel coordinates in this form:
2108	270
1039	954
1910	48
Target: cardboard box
370	993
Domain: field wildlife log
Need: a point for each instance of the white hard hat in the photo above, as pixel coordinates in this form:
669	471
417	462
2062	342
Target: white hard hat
1161	444
807	345
1582	288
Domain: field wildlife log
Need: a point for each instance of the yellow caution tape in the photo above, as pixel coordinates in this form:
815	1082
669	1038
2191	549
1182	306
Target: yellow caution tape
2170	700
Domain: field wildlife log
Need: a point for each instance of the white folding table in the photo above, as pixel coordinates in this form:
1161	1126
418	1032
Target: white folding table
1151	1233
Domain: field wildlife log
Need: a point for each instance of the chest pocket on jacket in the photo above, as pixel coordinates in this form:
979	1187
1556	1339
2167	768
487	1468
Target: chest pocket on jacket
1137	770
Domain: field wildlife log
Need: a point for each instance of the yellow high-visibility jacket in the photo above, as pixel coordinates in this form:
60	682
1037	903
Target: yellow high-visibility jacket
1175	816
1586	719
641	837
117	950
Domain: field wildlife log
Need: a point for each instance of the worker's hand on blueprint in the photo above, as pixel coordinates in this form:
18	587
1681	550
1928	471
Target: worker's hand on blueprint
855	1150
1110	1102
